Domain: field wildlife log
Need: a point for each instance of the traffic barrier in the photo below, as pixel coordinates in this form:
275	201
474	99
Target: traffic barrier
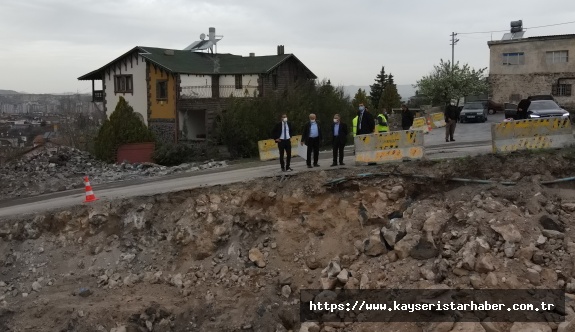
269	148
420	124
437	120
389	147
531	134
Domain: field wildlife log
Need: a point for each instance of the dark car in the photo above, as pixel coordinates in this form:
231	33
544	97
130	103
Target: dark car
546	109
474	111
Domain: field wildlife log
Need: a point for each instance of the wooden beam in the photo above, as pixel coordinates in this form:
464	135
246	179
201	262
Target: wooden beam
131	63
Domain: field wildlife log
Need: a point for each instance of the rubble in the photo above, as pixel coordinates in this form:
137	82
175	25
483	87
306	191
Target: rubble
63	168
233	258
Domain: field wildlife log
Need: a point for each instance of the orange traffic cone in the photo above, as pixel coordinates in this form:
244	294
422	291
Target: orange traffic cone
428	124
90	197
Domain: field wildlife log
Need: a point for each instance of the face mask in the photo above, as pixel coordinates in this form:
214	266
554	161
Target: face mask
361	108
334	120
284	119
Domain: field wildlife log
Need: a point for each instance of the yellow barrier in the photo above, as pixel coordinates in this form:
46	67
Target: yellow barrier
388	147
437	120
269	148
531	134
420	124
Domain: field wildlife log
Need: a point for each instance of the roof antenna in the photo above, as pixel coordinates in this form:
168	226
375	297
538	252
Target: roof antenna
204	44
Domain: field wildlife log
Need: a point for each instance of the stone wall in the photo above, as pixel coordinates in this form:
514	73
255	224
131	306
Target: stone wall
164	129
512	88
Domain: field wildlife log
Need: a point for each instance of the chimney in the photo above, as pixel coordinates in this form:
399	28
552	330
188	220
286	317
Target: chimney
212	34
168	52
280	49
252	55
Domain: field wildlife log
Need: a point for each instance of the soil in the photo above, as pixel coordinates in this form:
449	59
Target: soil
219	258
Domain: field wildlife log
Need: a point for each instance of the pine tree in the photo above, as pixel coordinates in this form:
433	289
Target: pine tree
377	88
390	98
124	126
361	97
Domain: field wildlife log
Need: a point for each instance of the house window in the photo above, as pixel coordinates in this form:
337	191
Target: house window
275	81
514	58
557	56
563	90
123	84
239	81
162	89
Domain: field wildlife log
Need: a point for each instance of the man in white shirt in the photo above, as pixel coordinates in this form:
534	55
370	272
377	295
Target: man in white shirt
281	134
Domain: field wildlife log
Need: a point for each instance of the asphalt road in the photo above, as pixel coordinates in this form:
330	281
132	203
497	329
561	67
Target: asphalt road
471	139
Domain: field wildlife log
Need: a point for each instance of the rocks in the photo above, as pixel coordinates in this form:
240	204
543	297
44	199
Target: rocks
256	256
284	278
404	246
85	292
530	327
36	286
374	246
484	264
533	277
549	223
286	291
63	168
424	250
343	276
509	232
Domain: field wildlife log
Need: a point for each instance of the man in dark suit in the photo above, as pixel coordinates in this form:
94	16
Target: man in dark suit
282	133
312	138
365	122
339	133
522	109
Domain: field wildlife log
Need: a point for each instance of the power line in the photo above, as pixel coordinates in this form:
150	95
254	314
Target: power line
541	26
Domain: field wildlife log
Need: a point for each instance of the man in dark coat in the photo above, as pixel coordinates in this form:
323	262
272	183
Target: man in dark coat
406	117
450	115
365	122
282	133
339	133
312	138
522	108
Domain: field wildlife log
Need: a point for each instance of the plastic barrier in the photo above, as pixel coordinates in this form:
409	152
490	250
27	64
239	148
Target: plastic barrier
269	148
420	124
531	134
389	147
437	120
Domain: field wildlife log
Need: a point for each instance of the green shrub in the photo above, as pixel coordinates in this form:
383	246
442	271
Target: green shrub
173	154
124	126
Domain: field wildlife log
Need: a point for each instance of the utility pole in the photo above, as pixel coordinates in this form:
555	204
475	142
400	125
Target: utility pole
453	42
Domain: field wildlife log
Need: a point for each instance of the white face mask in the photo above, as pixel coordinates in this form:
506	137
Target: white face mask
334	120
284	119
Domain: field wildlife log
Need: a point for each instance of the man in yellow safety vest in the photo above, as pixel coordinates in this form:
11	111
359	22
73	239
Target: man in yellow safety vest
355	126
382	125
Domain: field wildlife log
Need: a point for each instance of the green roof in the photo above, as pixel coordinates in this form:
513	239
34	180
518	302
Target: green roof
187	62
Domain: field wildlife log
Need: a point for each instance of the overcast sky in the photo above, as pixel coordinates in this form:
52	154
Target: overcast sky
45	45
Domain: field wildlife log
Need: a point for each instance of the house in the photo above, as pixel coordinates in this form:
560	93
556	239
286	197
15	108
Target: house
178	93
520	67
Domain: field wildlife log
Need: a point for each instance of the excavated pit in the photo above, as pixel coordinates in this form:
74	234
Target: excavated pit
231	258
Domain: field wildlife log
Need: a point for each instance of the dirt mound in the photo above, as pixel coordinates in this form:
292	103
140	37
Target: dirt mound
235	257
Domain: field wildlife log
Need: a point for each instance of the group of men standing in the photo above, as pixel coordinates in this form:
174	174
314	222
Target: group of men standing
364	123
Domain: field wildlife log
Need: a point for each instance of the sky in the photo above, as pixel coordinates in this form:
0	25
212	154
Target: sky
45	45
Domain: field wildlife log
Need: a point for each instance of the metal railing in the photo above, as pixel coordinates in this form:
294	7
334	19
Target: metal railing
225	91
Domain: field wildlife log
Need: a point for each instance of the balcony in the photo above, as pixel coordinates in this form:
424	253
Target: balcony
98	95
225	91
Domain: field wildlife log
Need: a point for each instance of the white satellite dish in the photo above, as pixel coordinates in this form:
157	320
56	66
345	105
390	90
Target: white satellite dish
203	36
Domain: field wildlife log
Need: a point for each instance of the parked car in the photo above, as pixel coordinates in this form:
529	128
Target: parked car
492	107
539	108
474	111
546	109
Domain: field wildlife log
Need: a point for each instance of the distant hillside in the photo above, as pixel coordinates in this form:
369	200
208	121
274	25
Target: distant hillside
405	91
8	92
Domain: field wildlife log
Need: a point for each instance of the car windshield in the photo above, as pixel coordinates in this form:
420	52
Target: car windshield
473	106
543	105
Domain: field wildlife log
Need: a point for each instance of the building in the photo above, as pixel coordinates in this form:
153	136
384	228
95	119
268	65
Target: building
178	93
520	67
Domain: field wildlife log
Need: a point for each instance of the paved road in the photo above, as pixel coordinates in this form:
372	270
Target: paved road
471	139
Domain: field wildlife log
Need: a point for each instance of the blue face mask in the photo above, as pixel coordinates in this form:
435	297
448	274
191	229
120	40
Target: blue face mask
361	108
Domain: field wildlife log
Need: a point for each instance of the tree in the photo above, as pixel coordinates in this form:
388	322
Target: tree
124	126
361	97
443	84
390	97
249	120
377	88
